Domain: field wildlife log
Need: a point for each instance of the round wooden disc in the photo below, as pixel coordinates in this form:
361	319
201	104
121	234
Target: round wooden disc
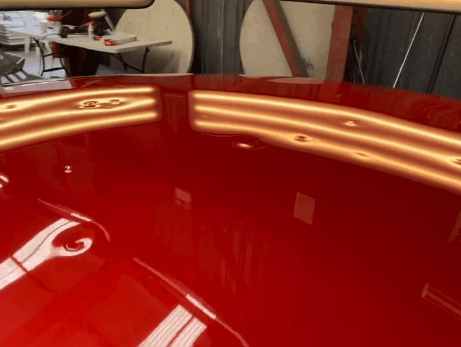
310	24
164	20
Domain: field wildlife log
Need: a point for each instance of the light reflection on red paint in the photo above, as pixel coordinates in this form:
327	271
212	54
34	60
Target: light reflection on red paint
199	305
9	272
193	301
243	145
258	269
168	328
441	300
189	334
178	329
42	117
39	249
365	138
4	178
77	215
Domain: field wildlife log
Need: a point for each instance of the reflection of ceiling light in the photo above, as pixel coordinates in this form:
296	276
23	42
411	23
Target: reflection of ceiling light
30	247
182	292
79	216
43	118
189	334
446	303
62	115
366	138
168	328
178	321
9	272
286	121
200	306
39	249
33	101
84	125
313	108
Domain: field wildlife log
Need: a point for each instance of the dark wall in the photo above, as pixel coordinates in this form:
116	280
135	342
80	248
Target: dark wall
217	26
386	37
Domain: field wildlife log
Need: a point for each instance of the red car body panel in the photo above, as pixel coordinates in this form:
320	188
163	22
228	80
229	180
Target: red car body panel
229	211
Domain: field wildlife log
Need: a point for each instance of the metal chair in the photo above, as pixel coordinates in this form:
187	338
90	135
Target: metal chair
13	66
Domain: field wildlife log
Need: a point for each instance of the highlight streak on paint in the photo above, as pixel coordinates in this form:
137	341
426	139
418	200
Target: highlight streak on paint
190	333
168	328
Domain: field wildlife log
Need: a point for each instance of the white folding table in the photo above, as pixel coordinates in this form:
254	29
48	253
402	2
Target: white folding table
83	41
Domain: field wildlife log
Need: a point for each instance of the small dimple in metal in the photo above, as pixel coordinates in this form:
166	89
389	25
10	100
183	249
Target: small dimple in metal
10	106
303	138
361	155
243	145
89	104
457	161
350	123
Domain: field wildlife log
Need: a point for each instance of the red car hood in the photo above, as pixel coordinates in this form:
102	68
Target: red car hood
228	211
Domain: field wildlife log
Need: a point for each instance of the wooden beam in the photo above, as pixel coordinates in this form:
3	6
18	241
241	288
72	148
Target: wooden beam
285	37
339	44
189	8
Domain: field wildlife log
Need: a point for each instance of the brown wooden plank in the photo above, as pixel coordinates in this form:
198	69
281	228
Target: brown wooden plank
189	8
341	30
285	37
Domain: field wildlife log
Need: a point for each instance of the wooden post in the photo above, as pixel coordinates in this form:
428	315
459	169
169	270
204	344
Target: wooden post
340	33
189	8
285	37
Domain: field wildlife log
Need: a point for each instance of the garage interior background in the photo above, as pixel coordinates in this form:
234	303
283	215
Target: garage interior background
381	38
216	26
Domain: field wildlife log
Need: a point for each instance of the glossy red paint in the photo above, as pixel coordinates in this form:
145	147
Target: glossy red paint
216	216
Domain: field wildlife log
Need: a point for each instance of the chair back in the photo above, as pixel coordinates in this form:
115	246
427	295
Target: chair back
13	65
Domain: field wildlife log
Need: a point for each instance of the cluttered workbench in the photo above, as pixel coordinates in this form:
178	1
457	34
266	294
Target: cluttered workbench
90	37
